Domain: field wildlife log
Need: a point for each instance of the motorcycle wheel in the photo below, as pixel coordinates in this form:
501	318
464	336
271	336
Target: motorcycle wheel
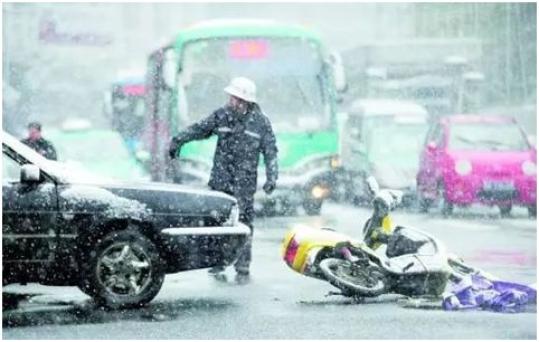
352	278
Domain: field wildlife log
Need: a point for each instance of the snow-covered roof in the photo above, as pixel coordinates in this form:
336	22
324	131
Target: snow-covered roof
232	22
387	107
477	118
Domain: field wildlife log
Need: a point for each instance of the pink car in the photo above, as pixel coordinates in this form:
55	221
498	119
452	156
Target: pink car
477	159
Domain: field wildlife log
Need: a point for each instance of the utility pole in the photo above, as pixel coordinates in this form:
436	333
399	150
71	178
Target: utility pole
508	78
522	67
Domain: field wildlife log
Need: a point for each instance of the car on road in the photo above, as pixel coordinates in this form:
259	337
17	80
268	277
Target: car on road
115	241
98	150
483	159
382	138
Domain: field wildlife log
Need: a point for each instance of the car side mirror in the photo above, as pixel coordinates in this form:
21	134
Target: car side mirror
142	156
532	140
30	173
170	68
431	146
372	185
339	75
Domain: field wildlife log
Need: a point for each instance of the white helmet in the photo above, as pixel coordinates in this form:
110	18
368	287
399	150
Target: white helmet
243	88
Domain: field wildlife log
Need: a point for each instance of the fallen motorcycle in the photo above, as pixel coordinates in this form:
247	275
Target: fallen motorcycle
414	263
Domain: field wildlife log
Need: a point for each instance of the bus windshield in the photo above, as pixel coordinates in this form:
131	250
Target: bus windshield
288	73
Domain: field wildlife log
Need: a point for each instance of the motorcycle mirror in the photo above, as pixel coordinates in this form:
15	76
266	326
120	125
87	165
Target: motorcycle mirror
372	184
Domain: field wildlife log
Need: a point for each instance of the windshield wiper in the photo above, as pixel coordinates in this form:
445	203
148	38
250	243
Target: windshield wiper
465	140
304	95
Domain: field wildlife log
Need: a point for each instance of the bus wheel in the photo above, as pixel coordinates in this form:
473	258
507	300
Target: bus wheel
312	207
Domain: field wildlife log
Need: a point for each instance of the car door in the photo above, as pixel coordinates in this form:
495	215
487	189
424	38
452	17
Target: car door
29	216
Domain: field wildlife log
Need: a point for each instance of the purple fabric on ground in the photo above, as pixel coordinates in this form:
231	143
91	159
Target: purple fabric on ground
479	292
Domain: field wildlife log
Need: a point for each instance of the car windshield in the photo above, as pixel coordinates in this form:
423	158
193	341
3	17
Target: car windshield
396	143
288	74
487	137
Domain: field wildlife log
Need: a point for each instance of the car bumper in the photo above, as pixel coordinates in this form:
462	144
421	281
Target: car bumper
469	190
189	248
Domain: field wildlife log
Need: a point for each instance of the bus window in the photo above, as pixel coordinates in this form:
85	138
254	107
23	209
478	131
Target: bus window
286	72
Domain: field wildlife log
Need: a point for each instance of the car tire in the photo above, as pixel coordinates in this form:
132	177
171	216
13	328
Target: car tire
446	207
532	211
312	207
125	270
424	204
269	209
505	210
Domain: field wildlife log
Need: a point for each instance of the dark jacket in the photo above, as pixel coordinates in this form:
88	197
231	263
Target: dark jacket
240	140
42	146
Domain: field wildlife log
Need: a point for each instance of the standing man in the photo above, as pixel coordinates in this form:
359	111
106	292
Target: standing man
243	132
38	143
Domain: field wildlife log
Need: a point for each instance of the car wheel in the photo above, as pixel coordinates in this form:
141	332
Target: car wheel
446	207
532	211
505	210
312	207
424	204
125	270
269	209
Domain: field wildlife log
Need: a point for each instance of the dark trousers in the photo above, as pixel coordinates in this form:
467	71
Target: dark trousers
246	206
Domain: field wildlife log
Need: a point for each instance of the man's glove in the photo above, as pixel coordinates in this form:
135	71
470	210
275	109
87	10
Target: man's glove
173	148
269	186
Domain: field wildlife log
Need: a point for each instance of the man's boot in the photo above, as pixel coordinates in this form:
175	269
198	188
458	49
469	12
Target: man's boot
242	278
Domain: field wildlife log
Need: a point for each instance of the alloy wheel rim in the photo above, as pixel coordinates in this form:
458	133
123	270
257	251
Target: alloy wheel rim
124	269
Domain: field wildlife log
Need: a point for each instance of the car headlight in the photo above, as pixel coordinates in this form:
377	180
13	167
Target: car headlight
463	167
529	168
233	217
319	191
335	162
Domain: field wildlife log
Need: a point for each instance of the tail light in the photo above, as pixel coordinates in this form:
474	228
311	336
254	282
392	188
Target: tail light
291	251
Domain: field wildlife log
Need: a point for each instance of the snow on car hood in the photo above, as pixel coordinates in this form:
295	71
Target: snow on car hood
116	206
165	187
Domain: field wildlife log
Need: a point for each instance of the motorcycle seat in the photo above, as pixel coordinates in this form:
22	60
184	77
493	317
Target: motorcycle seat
400	244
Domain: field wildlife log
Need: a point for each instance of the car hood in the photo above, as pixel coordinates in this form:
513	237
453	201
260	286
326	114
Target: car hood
139	200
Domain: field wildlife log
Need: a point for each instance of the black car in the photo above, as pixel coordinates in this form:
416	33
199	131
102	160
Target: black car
114	241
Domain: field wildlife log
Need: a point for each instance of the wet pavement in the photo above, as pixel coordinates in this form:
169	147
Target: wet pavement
280	304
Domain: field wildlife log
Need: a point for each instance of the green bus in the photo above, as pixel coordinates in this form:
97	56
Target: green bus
297	80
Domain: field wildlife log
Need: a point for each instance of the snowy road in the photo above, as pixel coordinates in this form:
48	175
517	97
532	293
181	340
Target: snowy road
280	304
